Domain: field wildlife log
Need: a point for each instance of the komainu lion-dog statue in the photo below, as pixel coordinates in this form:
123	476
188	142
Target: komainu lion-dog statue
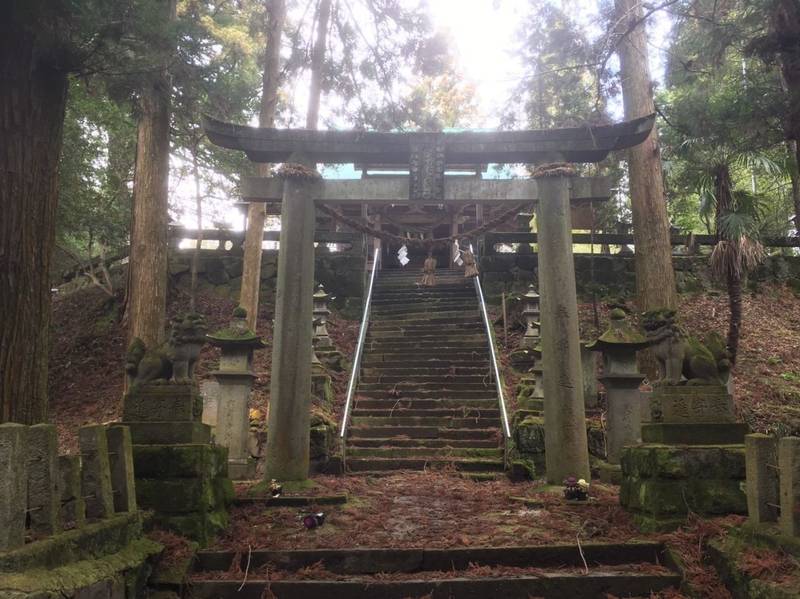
682	356
173	360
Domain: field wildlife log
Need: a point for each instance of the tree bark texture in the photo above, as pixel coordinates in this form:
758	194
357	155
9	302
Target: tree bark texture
723	192
256	211
147	280
318	64
655	277
33	94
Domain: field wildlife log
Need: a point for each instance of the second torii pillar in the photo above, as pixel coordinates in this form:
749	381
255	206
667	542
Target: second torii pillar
290	387
566	447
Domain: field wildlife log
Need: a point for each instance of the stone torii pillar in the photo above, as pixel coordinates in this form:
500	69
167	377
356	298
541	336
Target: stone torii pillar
288	433
566	446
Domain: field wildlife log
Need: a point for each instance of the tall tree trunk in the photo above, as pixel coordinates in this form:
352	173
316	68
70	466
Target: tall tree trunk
318	64
198	245
147	280
723	192
256	212
655	277
33	96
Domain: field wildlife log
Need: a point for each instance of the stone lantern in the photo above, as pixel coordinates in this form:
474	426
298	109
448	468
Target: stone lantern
530	311
621	378
235	377
321	338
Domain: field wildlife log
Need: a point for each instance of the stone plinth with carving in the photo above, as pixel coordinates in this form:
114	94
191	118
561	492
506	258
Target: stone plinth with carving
692	458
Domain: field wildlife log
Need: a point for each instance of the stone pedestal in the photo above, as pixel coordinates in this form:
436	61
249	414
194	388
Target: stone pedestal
13	484
589	371
180	475
692	459
789	464
567	452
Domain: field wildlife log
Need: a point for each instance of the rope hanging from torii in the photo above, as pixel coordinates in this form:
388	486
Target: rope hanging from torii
421	243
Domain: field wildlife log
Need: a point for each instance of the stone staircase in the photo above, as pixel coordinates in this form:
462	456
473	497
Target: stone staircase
425	398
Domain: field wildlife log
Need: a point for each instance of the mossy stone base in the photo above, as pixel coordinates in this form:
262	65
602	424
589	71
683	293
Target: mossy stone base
661	484
187	486
528	434
168	433
108	558
179	461
609	473
716	433
161	403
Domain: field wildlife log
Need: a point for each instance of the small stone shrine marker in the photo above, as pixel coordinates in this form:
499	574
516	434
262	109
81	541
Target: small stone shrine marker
235	377
621	378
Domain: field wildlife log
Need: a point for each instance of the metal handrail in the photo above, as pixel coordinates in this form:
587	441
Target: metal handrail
497	380
351	386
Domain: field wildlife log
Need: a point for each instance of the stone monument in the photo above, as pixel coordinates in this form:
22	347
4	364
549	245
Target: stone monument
180	474
692	457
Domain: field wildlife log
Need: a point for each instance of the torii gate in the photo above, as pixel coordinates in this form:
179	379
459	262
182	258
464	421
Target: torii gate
427	155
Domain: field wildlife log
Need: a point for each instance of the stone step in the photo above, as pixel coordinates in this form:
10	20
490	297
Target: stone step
403	373
437	443
385	296
427	326
444	386
463	343
391	363
488	393
416	310
435	404
424	452
428	320
368	431
463	412
430	421
464	464
415	377
454	354
401	335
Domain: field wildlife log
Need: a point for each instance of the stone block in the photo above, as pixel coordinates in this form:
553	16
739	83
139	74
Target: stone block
162	403
610	473
161	433
96	471
73	507
120	455
657	498
209	390
789	464
184	496
201	527
529	435
13	484
180	461
762	478
321	440
710	433
44	504
692	404
678	462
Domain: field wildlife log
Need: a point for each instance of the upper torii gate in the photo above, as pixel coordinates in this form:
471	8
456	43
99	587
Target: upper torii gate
427	155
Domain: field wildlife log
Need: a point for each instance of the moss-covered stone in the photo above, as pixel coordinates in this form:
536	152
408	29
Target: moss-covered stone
93	540
123	573
162	433
183	496
201	527
179	461
677	462
529	435
695	434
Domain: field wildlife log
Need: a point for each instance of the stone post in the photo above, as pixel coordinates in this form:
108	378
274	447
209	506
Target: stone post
321	338
235	378
621	378
96	471
589	374
73	506
288	433
120	458
13	484
44	503
761	464
789	464
566	447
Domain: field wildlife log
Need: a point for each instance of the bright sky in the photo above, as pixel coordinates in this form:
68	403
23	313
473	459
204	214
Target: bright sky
484	33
